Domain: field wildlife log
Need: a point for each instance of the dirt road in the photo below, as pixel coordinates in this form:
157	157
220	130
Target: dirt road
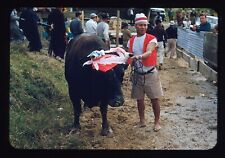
188	115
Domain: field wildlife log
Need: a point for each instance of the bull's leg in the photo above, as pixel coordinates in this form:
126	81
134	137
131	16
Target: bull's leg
76	108
119	79
105	126
77	112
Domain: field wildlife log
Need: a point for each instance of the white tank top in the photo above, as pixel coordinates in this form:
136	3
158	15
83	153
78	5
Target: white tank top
138	50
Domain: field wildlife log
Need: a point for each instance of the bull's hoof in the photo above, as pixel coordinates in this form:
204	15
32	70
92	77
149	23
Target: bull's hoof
117	101
105	131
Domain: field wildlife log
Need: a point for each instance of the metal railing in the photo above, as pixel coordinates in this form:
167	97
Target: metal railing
201	44
191	41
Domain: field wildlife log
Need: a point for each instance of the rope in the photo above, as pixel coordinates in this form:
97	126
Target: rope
137	66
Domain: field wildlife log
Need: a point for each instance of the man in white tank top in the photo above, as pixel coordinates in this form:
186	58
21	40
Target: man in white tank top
146	77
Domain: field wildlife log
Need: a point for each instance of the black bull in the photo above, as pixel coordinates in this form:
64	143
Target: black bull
87	84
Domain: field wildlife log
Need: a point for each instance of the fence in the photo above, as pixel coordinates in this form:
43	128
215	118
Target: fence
191	41
210	47
201	44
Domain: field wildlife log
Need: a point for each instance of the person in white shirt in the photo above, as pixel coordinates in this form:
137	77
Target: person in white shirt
91	25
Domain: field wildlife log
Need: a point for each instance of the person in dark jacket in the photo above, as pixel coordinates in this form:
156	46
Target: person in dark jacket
29	24
158	17
204	26
75	25
160	33
171	40
193	16
130	13
150	28
58	33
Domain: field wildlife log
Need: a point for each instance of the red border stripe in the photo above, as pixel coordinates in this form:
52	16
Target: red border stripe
143	18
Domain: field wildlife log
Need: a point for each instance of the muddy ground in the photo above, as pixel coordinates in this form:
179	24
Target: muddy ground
188	115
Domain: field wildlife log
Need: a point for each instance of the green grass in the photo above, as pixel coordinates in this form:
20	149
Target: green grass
37	90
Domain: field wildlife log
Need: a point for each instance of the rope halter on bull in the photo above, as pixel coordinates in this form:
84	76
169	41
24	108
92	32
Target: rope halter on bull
137	66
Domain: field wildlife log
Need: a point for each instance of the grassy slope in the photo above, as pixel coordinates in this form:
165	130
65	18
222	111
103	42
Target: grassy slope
40	108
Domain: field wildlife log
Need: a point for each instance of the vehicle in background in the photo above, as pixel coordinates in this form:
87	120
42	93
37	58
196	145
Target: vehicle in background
153	12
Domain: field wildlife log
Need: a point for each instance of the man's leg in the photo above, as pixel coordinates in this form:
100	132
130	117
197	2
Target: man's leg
174	49
161	54
168	48
156	110
141	112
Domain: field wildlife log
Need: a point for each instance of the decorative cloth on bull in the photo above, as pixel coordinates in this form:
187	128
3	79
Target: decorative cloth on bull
106	60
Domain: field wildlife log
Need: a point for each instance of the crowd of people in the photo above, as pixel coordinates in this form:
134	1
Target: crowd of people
189	20
59	34
57	30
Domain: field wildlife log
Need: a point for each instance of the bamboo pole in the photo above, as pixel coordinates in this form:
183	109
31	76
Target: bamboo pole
117	28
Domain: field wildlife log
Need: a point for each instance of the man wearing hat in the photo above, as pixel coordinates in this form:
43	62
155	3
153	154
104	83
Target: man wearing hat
75	25
145	79
91	24
171	40
103	29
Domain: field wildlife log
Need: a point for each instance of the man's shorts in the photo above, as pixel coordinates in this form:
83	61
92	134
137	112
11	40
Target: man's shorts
148	84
